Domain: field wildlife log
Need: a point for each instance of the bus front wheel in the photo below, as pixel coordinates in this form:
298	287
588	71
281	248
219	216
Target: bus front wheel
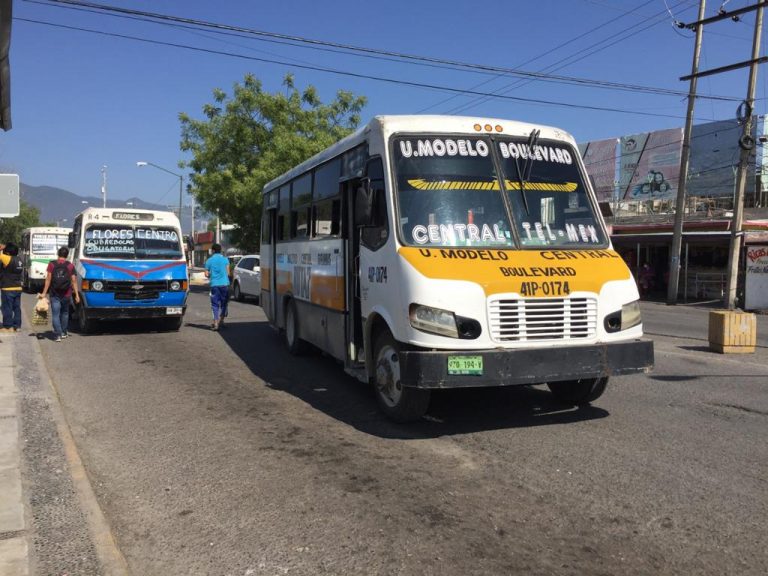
84	323
398	402
578	392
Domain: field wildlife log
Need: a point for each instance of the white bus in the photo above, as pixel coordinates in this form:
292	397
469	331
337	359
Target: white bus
130	264
39	246
429	252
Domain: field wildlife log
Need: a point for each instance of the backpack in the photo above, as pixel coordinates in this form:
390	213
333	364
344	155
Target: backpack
61	279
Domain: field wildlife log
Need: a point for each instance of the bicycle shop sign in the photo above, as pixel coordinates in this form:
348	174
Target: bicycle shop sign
756	289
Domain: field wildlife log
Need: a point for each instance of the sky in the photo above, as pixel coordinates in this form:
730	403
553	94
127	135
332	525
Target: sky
83	100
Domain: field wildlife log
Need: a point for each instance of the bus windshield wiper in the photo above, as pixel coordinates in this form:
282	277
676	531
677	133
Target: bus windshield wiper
525	173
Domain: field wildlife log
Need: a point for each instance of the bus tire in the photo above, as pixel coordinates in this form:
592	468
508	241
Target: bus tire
293	341
236	293
173	324
84	324
578	392
399	403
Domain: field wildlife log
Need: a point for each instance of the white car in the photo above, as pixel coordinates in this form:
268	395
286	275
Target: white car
246	278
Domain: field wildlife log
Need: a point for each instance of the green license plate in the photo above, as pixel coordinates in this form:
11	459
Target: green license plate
468	365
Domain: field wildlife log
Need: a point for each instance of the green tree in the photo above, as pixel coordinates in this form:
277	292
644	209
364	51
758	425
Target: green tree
10	228
253	136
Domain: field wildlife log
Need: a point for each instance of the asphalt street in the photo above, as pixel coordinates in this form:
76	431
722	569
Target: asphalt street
219	453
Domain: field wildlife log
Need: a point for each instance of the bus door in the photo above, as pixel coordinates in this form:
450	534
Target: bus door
271	305
354	345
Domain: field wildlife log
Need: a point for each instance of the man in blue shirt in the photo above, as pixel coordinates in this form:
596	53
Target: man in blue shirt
217	269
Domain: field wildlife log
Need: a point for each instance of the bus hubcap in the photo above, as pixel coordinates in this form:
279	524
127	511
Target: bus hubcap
388	376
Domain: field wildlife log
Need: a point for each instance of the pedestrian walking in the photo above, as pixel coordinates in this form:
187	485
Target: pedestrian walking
11	267
217	270
60	281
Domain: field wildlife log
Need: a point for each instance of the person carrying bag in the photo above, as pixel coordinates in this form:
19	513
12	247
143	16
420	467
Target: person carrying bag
62	283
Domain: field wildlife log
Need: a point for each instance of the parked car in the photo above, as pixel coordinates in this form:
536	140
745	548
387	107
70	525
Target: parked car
246	278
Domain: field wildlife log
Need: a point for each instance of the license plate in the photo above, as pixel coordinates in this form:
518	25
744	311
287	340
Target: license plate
465	365
174	311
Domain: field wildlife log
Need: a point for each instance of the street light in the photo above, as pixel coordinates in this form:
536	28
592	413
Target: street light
141	163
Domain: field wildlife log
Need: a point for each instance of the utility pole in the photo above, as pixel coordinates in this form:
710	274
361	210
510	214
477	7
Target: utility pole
104	186
747	144
677	234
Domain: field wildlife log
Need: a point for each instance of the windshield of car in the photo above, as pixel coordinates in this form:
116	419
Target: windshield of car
448	193
132	242
546	190
48	244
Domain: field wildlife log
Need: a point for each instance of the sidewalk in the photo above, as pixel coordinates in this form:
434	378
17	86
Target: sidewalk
14	552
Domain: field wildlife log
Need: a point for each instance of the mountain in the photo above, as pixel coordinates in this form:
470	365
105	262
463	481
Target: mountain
61	206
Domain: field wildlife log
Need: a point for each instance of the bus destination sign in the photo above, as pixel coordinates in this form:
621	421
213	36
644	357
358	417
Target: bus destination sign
132	216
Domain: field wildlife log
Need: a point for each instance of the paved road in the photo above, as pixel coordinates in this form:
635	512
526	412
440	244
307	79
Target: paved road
218	453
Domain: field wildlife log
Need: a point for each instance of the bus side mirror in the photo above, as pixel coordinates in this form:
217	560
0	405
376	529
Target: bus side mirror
364	203
71	240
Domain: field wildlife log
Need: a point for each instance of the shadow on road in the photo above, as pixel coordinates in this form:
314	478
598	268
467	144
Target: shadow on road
321	382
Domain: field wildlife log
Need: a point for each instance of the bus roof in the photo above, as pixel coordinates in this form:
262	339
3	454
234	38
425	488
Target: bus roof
128	215
46	230
424	123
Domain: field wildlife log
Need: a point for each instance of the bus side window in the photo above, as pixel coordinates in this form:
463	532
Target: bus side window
376	235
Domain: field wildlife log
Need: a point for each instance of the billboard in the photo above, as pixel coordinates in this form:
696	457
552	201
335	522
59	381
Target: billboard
650	165
600	161
714	155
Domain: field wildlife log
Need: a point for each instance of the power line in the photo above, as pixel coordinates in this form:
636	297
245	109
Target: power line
553	49
573	58
378	52
384	79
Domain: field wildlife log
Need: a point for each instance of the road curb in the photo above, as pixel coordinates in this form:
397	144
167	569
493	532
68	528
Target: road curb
109	555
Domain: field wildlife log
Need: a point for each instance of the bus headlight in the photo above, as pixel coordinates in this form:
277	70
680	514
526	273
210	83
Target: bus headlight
97	285
175	285
434	320
630	315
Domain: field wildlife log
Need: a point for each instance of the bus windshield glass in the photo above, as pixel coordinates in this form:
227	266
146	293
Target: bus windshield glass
546	191
127	242
47	244
448	192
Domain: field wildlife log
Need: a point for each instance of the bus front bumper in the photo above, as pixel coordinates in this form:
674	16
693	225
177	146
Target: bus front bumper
134	312
429	368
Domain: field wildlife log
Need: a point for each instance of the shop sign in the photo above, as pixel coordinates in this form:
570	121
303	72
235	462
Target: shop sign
756	289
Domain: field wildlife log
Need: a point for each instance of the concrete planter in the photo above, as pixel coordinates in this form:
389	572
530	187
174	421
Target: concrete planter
732	332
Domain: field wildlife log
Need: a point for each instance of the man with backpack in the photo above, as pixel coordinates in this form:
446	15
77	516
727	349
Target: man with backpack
61	281
10	287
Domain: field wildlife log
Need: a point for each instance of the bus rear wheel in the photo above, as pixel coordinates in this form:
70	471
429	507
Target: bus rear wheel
293	342
578	392
399	403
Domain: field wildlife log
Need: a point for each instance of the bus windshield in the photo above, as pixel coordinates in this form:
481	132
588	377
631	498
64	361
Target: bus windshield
546	191
448	193
47	244
128	242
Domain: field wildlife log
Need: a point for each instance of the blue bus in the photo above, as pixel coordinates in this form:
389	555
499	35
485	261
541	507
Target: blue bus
130	264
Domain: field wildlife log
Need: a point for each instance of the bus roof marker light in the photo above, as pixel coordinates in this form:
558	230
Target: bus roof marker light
478	127
499	128
488	128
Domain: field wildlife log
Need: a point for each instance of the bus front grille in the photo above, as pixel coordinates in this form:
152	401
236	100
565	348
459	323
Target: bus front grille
541	319
128	291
